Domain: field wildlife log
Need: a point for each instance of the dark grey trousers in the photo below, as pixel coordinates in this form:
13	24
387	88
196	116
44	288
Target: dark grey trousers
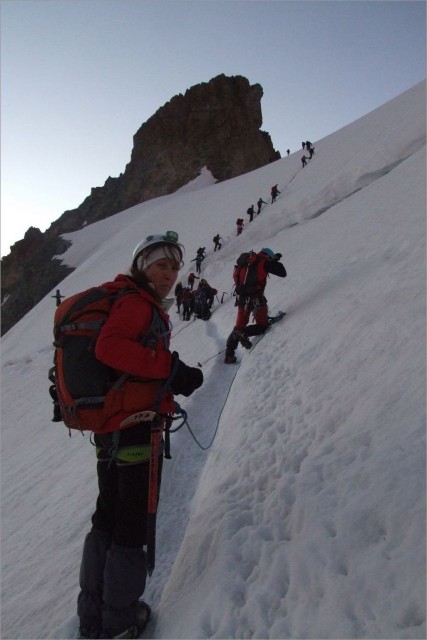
113	570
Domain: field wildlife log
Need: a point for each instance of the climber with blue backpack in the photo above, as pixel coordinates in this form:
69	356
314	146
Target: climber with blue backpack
134	343
250	279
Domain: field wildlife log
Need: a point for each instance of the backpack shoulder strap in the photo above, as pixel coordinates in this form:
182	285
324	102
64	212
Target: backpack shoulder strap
157	329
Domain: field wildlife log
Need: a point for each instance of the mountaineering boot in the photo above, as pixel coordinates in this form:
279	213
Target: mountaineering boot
86	633
273	319
132	632
124	582
243	339
231	345
143	615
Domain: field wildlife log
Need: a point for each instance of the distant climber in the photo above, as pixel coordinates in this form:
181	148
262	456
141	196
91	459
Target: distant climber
57	297
262	264
240	225
210	292
274	193
251	212
203	300
178	293
217	242
259	204
190	280
187	299
198	260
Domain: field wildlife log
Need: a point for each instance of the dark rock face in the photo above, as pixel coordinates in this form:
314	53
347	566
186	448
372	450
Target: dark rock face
29	272
214	124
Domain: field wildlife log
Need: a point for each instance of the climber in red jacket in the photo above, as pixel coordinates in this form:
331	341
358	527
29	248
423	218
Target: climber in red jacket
114	564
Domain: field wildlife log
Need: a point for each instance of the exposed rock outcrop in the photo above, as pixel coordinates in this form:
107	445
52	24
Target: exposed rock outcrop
29	272
214	124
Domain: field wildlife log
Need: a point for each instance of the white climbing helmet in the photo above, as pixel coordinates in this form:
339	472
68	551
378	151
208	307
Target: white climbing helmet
167	238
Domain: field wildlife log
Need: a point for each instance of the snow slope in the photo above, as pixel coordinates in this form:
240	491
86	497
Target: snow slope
306	516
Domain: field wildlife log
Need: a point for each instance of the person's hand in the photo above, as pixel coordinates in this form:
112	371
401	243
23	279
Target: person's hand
186	379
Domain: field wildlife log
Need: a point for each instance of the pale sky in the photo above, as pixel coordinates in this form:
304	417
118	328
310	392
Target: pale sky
79	77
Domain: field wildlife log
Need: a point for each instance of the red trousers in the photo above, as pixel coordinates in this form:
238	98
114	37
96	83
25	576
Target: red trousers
260	314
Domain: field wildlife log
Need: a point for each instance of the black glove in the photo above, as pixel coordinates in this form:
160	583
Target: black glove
277	256
186	379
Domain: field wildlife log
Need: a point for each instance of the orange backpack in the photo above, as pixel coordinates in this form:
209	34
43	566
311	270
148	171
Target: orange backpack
86	392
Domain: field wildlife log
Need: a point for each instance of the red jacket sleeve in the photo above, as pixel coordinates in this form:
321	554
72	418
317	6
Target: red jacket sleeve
119	342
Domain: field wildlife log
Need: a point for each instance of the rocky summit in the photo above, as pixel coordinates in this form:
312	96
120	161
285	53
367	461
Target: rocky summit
215	124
